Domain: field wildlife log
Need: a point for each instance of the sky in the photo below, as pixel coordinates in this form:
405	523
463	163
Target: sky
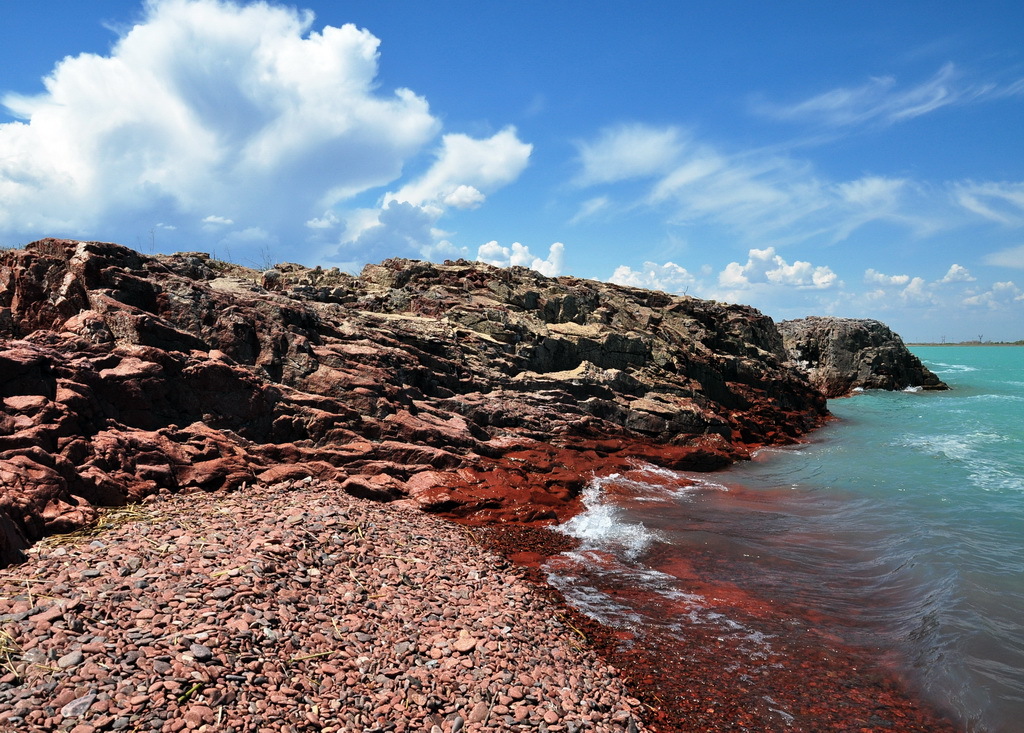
854	159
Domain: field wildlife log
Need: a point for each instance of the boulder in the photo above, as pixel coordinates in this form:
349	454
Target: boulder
840	355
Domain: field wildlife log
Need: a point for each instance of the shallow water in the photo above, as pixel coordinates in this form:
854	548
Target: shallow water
898	529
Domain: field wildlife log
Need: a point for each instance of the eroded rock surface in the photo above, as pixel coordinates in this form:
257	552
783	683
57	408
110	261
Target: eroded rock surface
839	355
464	388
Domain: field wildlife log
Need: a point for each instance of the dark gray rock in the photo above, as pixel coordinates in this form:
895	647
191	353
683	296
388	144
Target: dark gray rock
839	355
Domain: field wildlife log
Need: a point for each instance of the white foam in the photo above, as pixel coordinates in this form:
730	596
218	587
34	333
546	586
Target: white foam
602	525
949	368
912	389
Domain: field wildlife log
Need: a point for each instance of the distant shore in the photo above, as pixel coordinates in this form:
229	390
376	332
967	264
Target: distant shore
968	343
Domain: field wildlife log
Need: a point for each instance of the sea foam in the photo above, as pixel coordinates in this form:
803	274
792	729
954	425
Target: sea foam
602	525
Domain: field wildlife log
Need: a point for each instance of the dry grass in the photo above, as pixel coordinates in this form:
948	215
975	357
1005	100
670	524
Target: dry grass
9	652
109	518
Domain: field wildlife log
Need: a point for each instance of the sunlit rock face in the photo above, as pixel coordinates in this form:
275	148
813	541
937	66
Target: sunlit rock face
839	355
486	393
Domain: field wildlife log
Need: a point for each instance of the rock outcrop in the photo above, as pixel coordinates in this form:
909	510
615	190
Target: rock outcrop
467	389
839	355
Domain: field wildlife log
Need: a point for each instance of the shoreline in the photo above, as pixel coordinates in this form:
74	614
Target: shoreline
710	685
647	682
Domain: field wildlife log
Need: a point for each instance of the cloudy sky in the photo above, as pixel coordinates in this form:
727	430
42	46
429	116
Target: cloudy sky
858	159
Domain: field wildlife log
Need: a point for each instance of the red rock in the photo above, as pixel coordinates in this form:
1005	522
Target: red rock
485	394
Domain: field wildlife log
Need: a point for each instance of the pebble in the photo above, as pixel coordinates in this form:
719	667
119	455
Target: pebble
292	608
78	707
201	652
71	659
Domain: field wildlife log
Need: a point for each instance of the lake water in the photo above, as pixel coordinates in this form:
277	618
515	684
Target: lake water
899	527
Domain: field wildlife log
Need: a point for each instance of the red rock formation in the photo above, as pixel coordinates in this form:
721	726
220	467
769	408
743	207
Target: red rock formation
465	388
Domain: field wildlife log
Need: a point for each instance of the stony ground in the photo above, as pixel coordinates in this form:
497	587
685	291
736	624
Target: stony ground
289	608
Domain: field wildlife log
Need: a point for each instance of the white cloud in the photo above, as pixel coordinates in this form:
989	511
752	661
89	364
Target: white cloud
957	274
589	208
518	254
765	267
872	191
669	278
1000	295
405	225
400	230
327	221
464	197
877	278
907	288
207	104
917	289
215	222
628	151
999	201
765	197
768	198
465	165
881	100
1011	257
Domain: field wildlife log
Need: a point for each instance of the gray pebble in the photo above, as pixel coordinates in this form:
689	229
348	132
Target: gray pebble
78	707
71	659
201	652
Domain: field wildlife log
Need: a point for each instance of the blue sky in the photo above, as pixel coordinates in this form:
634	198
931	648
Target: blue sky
857	159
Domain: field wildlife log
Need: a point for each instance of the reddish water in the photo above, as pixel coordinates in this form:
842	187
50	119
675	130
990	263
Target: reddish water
715	638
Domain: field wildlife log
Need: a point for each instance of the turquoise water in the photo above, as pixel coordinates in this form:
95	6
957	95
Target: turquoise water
901	522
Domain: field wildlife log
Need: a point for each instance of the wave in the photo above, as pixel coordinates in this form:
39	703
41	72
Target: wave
620	596
602	524
988	397
954	447
942	368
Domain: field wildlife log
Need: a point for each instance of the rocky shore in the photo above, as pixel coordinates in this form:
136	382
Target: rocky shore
473	391
279	439
291	607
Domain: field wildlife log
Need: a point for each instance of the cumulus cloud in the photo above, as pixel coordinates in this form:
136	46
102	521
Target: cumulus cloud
465	165
765	267
1000	295
914	288
401	230
327	221
957	274
881	100
877	278
669	277
518	254
207	104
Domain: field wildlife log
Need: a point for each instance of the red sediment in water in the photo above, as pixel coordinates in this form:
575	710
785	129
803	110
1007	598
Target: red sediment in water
707	679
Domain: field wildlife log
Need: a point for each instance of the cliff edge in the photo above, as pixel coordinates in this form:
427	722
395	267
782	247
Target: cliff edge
839	355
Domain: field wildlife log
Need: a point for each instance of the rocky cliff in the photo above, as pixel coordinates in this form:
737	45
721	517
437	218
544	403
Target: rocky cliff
839	355
480	392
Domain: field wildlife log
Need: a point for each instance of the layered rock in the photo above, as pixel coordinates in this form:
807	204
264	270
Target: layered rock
839	355
477	391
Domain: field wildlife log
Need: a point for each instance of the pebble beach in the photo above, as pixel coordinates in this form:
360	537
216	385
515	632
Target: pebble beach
291	607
